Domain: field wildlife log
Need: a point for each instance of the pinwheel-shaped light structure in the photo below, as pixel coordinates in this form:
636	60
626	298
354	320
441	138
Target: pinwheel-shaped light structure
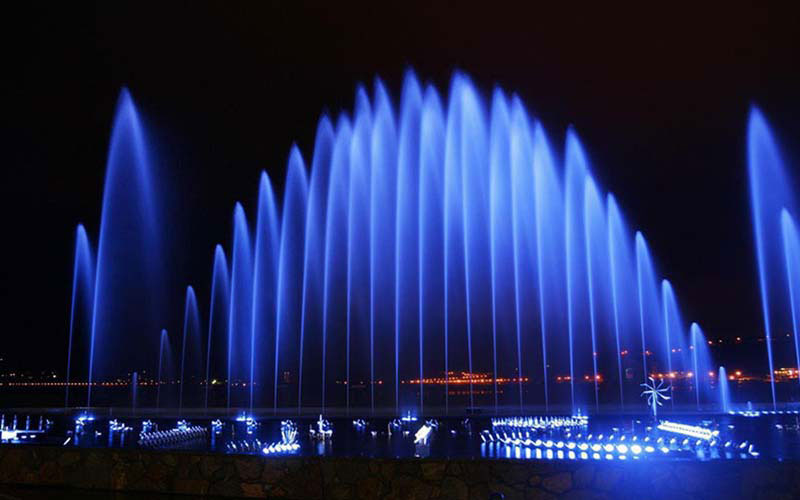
655	393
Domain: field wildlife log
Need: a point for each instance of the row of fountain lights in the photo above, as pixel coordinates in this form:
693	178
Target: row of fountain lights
758	413
512	431
521	436
12	433
519	433
320	431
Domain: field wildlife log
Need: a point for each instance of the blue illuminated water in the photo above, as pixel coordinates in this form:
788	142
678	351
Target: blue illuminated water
164	364
629	439
724	391
773	203
128	272
217	312
703	371
262	339
791	253
134	391
240	308
433	253
81	299
191	351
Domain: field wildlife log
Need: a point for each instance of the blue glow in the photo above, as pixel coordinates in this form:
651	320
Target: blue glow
408	417
423	239
322	431
192	349
688	430
182	433
126	275
769	195
220	295
82	293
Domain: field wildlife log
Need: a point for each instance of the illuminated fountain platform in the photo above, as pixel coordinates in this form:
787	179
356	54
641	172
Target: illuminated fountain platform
410	456
439	283
566	437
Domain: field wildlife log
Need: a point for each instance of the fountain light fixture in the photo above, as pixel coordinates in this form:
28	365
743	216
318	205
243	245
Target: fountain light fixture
694	431
616	446
181	433
541	423
117	426
560	449
80	422
422	435
280	448
250	422
148	426
324	429
244	417
408	417
7	435
758	413
288	442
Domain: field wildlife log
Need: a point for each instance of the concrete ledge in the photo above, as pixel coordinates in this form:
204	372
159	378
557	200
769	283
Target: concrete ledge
329	477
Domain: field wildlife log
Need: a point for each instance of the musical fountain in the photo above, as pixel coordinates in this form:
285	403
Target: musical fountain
439	259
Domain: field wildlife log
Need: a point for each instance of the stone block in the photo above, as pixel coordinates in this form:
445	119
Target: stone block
558	483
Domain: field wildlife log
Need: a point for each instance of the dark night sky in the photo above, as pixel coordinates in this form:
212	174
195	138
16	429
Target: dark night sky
660	99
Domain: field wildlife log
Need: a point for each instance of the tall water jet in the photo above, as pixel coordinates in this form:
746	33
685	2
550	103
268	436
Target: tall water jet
702	368
382	207
524	238
290	269
408	266
432	217
724	390
335	267
654	349
616	246
673	334
473	156
265	271
163	345
191	334
81	297
501	239
549	230
314	257
578	265
240	304
134	391
595	234
770	194
358	250
454	258
791	253
127	291
218	308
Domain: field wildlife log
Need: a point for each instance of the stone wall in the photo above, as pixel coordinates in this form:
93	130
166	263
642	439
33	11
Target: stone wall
316	477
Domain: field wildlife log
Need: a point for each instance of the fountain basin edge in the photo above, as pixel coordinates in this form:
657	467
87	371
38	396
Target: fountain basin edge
199	473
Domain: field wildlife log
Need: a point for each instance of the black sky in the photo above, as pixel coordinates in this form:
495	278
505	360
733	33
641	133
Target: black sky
659	97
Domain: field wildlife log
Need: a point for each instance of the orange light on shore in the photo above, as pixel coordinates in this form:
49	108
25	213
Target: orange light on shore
466	378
